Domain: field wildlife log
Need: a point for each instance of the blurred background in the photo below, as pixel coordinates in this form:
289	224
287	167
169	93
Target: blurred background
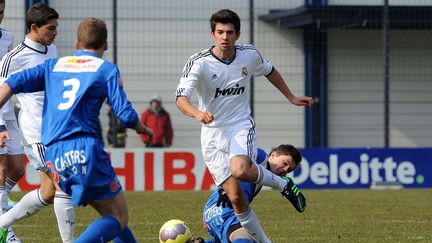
367	63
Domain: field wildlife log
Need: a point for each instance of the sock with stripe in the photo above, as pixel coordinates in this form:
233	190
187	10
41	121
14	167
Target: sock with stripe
3	199
9	183
267	178
65	215
101	230
29	204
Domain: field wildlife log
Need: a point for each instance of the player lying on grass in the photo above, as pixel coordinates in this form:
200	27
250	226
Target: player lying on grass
219	217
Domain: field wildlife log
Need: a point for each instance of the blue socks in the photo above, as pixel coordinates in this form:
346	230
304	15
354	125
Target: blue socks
125	236
100	230
243	240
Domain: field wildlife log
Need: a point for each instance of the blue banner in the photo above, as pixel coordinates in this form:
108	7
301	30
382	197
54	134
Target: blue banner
362	168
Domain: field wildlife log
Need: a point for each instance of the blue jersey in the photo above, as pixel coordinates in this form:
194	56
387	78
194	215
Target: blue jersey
218	220
75	89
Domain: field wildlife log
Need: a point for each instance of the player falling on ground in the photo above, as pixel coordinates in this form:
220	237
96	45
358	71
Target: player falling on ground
221	76
219	217
75	89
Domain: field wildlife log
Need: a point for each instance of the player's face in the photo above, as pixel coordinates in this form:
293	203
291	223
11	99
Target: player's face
2	9
225	37
281	164
47	33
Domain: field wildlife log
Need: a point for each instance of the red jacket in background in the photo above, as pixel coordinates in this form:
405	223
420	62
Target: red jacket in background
161	126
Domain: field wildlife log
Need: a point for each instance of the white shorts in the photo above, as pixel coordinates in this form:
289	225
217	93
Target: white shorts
36	155
14	145
220	144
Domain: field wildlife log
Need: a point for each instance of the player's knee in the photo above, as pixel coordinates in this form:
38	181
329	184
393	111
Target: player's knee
239	173
240	166
123	219
48	194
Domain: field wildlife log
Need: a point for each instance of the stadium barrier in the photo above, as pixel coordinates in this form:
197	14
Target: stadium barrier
184	169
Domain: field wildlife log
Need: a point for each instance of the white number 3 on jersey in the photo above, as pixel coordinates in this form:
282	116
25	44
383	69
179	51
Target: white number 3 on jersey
70	95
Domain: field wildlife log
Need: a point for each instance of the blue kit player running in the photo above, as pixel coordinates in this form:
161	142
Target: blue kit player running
218	215
75	89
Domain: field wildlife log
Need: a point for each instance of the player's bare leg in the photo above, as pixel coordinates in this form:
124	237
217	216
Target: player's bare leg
244	213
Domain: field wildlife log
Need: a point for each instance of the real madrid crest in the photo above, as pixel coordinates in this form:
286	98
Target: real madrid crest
244	71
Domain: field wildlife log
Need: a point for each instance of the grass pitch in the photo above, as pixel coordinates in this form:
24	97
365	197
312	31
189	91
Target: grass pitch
331	216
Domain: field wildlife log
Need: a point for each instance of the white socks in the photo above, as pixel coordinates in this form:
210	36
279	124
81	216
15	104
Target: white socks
3	199
267	178
250	222
64	212
30	204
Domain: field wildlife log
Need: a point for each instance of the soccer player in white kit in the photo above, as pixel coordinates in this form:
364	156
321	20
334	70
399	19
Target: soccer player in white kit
221	76
41	21
11	150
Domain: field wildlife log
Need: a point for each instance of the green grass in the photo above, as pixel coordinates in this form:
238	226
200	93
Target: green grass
331	216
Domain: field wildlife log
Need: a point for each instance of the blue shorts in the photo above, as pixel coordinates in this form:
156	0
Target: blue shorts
83	168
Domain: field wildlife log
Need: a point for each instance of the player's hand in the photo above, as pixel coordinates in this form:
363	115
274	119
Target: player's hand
303	101
142	129
223	199
4	135
204	117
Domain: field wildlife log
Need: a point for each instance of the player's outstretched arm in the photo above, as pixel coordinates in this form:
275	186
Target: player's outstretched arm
276	79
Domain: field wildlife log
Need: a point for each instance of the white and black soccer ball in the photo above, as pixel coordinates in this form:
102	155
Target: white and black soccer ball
175	231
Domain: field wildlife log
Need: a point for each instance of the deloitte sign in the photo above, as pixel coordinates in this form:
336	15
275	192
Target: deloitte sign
359	168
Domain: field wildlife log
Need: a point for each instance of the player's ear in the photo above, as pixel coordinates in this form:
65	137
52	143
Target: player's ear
77	45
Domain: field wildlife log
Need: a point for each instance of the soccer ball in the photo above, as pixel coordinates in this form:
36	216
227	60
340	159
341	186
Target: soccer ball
175	231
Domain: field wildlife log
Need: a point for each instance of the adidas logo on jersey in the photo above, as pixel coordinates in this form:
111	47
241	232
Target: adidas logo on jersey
214	77
230	91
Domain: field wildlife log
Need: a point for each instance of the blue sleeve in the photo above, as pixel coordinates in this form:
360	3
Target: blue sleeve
118	100
262	155
28	81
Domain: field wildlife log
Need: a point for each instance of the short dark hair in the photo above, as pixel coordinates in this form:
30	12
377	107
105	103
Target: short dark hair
2	1
288	149
40	14
92	33
225	16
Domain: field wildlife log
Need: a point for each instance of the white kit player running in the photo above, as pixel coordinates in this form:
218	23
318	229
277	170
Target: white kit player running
37	47
221	75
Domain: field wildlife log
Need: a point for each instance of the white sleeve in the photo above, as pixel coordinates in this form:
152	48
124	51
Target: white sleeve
263	66
189	79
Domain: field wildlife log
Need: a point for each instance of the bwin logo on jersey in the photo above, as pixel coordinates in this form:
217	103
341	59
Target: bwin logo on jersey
230	91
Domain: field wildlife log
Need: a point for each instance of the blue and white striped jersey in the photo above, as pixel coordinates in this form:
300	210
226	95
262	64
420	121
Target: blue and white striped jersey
75	89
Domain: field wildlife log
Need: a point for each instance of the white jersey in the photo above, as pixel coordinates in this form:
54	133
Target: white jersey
223	87
27	55
6	43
